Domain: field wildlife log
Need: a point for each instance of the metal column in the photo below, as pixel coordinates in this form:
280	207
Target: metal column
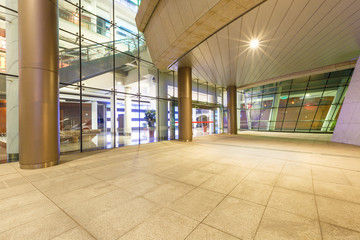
38	83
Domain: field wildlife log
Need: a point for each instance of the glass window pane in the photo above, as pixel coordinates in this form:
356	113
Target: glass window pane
149	81
322	112
312	97
303	126
99	119
291	114
288	126
307	113
69	118
295	99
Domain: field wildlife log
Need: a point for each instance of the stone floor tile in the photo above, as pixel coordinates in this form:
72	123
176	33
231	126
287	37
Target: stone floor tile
84	211
117	221
198	203
195	177
295	183
353	177
174	172
331	232
204	232
165	224
236	172
221	184
110	171
294	202
214	167
298	170
236	217
270	165
41	228
253	191
280	225
77	233
327	174
8	204
169	192
262	177
7	169
339	213
130	179
337	191
141	188
65	183
17	190
26	214
82	194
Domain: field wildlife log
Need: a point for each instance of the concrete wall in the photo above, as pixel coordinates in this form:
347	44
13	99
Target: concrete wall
347	129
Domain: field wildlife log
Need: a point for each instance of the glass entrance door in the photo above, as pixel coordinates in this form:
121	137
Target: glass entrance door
204	121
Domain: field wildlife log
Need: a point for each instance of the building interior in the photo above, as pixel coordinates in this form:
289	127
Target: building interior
179	119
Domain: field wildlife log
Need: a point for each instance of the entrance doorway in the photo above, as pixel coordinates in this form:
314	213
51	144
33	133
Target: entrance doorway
205	120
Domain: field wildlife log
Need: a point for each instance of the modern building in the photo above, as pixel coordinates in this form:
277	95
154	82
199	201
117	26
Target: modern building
290	63
85	75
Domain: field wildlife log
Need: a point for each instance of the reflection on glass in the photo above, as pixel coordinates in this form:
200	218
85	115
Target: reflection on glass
308	104
70	135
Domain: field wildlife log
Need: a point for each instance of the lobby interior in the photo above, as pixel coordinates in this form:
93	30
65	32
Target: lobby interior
161	119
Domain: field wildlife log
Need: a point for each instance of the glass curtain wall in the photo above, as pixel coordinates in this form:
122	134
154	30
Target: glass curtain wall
207	108
308	104
111	95
9	113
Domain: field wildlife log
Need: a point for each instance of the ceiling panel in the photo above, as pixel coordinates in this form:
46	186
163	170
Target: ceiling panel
294	36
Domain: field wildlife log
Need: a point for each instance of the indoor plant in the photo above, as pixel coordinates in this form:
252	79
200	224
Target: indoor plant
150	118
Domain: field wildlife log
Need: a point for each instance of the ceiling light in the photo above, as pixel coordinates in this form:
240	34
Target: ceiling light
254	43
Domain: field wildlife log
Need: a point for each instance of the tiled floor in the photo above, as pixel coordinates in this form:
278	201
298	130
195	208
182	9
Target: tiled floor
251	186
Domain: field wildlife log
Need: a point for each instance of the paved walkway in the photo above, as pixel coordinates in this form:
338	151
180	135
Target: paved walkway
251	186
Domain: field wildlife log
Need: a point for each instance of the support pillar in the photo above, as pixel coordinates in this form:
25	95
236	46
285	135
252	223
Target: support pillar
94	115
114	115
172	119
127	112
231	109
38	83
185	103
274	111
162	113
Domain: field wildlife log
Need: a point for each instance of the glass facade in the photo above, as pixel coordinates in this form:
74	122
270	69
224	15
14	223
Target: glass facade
108	85
307	104
111	94
9	113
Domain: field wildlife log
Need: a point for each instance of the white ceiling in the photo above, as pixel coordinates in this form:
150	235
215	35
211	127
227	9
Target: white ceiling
294	35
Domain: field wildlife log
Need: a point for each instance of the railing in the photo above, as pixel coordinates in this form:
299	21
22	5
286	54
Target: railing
68	57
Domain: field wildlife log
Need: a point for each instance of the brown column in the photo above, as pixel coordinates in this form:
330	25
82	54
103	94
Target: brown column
185	103
231	110
38	83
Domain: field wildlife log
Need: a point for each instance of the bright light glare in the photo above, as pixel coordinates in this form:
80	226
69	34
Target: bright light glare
254	43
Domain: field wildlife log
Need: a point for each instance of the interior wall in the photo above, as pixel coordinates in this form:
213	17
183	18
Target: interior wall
347	129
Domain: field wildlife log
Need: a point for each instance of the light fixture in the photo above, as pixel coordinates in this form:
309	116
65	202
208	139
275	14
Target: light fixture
254	43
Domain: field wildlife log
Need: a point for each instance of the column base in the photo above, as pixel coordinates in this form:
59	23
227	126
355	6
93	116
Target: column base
38	165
